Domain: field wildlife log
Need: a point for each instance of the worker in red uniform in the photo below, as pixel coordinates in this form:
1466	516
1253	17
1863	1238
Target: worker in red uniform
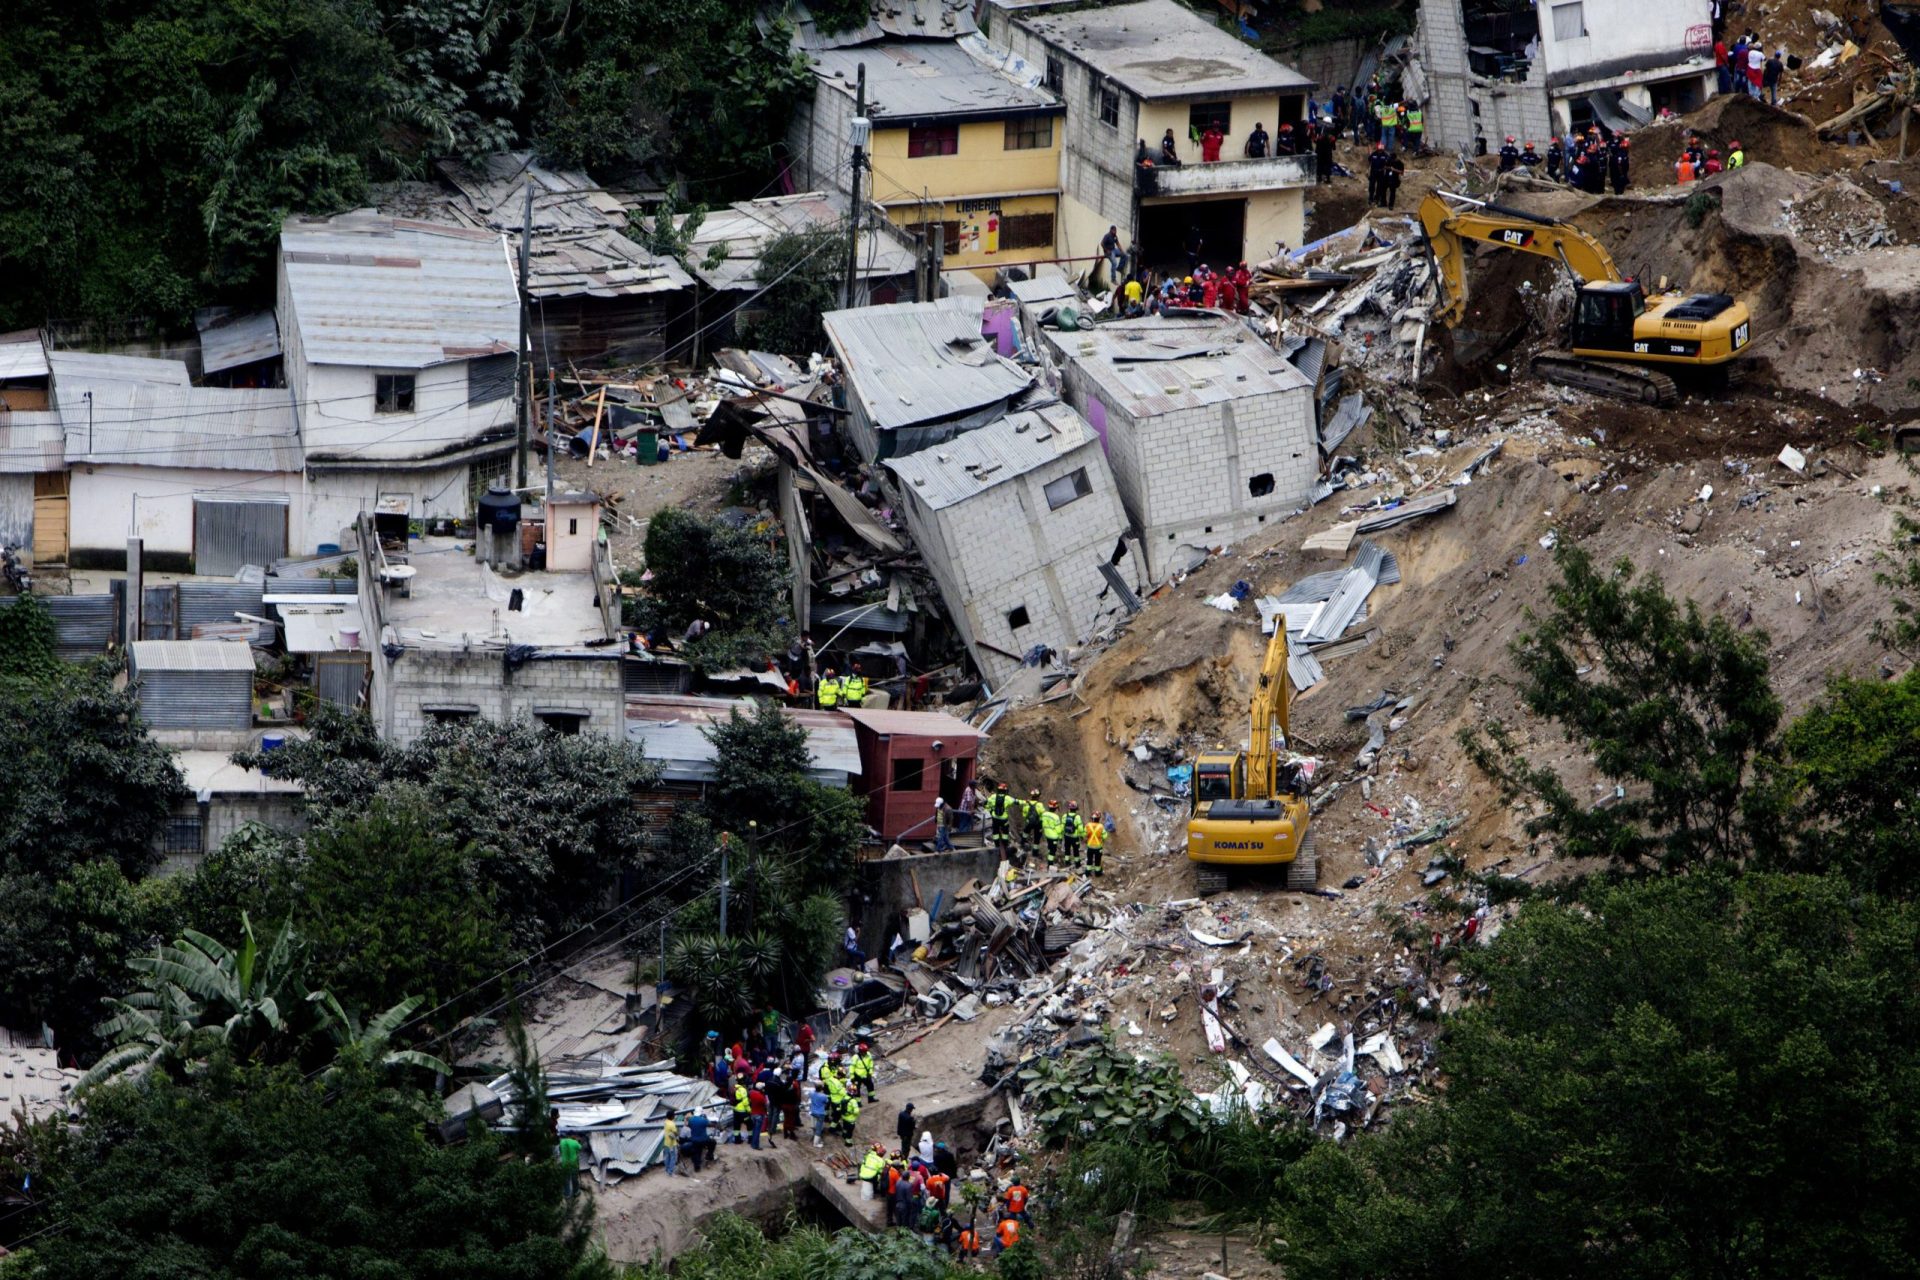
1210	142
1242	288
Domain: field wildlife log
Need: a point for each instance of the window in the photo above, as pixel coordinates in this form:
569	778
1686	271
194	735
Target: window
949	233
393	393
1067	488
1110	108
909	775
933	140
451	715
1056	74
489	378
1026	231
1032	134
482	473
1018	619
573	527
1569	21
1261	485
183	836
565	723
1202	114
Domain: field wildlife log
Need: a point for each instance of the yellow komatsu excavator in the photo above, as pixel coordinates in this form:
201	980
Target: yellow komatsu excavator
1621	336
1247	809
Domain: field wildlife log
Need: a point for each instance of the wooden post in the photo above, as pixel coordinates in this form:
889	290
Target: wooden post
593	441
1905	115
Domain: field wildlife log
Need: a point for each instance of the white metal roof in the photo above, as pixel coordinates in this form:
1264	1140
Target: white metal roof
922	361
142	412
971	463
1162	49
930	79
229	340
673	731
190	655
746	226
22	356
1154	366
397	294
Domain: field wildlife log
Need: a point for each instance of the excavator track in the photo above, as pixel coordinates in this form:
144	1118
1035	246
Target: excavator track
1303	873
1210	880
1610	378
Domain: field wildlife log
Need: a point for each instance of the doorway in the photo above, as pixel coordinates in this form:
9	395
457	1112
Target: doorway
1166	230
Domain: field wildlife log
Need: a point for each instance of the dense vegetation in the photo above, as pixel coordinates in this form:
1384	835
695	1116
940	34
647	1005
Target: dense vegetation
149	149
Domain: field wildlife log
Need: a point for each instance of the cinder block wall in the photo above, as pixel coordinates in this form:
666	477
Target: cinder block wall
423	678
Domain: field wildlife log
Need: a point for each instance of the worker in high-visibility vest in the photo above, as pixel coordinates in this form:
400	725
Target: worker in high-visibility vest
742	1112
873	1168
1001	806
1073	830
1096	846
860	1072
1052	828
853	689
829	691
1035	832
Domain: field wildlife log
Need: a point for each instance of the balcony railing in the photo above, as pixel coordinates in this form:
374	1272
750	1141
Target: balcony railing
1226	177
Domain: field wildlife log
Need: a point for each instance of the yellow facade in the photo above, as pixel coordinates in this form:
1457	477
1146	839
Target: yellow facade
981	166
979	225
1242	114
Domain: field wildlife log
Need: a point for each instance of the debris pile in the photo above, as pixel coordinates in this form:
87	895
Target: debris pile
1837	218
1378	287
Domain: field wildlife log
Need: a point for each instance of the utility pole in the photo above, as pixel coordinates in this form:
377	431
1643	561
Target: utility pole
858	130
523	387
661	982
553	421
724	838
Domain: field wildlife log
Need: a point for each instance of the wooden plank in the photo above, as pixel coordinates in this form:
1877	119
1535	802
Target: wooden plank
599	408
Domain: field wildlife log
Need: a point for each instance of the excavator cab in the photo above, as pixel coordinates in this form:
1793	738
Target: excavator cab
1604	313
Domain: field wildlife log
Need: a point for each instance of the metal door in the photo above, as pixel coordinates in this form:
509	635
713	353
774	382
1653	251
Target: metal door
230	532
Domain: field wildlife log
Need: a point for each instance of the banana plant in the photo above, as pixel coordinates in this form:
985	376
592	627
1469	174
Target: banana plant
373	1042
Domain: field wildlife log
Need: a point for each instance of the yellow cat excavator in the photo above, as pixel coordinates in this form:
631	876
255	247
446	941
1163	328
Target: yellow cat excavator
1620	333
1247	809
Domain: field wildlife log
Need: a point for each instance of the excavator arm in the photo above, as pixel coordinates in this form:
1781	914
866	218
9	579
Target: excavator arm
1449	227
1269	711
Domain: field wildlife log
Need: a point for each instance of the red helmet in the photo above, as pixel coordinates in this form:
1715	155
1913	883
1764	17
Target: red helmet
1529	146
1509	137
1712	152
1286	128
1379	146
863	1046
1735	144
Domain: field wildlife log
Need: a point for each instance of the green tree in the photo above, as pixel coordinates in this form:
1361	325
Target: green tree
393	908
28	640
253	1172
547	820
730	578
1900	574
1702	1076
762	792
801	273
1676	709
64	946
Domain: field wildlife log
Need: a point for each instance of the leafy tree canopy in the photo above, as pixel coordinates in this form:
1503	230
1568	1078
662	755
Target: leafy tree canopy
1702	1076
256	1172
732	579
801	272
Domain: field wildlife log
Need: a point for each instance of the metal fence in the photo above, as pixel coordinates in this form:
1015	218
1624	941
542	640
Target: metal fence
84	626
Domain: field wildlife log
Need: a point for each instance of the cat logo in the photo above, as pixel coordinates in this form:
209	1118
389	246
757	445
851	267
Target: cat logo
1514	236
1740	336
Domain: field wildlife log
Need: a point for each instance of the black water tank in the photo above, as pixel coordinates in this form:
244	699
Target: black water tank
499	509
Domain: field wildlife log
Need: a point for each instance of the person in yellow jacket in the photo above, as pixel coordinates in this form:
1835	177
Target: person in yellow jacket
1001	806
1073	830
742	1112
860	1073
1052	828
849	1116
853	689
1096	845
1035	825
829	692
873	1169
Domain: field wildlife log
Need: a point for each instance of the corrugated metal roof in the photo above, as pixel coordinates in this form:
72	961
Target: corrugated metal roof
579	243
22	356
32	440
908	19
391	293
922	361
975	461
746	226
929	79
1052	288
1160	49
672	731
918	724
229	340
1155	366
146	413
830	616
190	655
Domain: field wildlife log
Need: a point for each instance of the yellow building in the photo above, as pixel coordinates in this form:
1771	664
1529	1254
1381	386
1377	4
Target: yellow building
960	146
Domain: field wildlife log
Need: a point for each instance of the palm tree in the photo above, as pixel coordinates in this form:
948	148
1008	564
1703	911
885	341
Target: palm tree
373	1043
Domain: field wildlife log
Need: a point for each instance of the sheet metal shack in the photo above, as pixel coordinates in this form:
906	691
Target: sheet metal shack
908	758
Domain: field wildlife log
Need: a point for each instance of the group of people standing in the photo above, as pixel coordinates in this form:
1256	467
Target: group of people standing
1023	828
917	1184
1585	161
1746	68
1372	114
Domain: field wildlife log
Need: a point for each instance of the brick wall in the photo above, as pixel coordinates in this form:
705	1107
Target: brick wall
424	678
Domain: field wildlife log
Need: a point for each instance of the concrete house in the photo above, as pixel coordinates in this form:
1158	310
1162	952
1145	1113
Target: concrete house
919	373
1020	523
398	339
1210	431
1127	74
454	637
965	146
209	477
1488	71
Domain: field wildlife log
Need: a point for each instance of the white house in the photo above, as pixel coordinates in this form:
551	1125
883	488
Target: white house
399	342
209	477
1210	431
1019	522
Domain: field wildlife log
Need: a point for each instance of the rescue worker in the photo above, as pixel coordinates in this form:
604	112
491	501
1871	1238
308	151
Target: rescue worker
873	1169
1006	1235
1000	807
1169	151
1529	157
853	689
1036	826
1258	141
1509	155
1285	145
1617	164
1376	175
967	1247
860	1072
1396	169
1323	155
849	1116
1096	846
1713	164
828	693
742	1112
1210	143
1073	831
1416	128
1052	828
1015	1199
1554	155
1736	158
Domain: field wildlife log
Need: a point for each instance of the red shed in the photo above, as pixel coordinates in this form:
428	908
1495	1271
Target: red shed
906	759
